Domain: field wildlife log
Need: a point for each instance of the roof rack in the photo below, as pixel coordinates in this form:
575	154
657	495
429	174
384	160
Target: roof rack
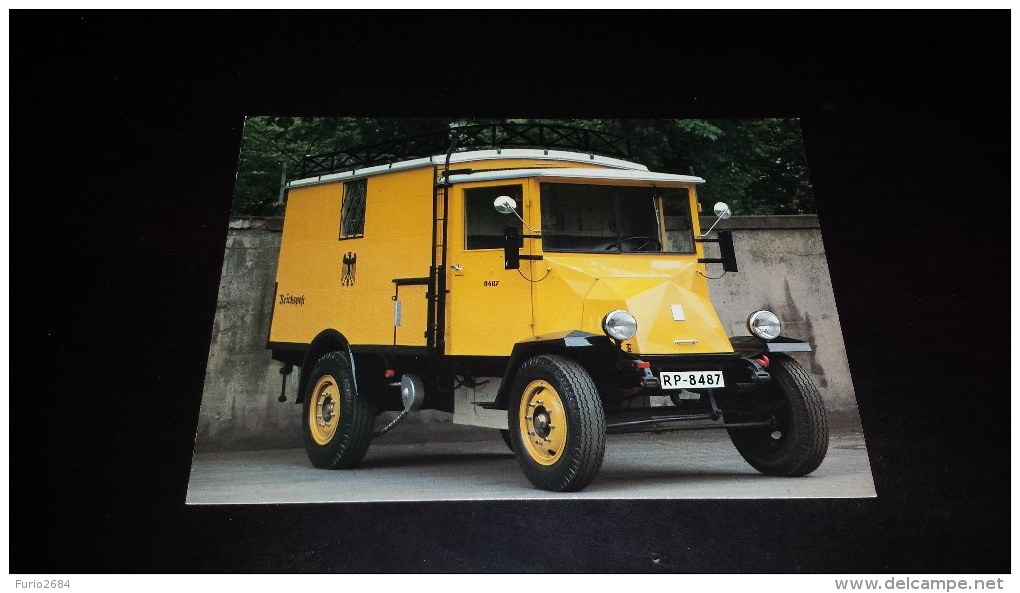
461	138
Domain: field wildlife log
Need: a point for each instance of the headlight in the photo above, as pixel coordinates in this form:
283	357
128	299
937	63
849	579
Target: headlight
619	324
764	324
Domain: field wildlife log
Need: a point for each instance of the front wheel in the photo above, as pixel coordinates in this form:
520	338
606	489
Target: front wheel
338	421
557	423
797	438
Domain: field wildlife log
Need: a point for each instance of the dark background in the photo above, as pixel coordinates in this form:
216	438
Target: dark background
125	130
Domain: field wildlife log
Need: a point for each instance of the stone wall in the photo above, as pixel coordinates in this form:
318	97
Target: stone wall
782	268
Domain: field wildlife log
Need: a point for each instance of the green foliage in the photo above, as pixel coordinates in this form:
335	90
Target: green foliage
757	166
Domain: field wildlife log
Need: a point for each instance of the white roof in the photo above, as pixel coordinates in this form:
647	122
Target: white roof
578	173
483	155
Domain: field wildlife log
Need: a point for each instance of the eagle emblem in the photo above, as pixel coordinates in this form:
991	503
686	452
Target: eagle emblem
350	267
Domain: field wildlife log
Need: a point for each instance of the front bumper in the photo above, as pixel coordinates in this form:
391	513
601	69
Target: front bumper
739	372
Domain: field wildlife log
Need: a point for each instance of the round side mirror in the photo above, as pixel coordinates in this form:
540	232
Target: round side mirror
722	210
505	205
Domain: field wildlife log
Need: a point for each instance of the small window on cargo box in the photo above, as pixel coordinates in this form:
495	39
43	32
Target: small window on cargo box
352	211
483	226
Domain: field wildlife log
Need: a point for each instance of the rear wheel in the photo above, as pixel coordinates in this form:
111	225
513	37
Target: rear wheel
795	442
338	422
557	424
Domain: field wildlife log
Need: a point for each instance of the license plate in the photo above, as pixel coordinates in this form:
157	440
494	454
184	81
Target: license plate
691	380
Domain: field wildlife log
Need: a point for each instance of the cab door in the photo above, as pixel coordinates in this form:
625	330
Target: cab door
488	307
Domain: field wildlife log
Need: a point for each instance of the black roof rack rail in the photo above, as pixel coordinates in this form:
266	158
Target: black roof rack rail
472	137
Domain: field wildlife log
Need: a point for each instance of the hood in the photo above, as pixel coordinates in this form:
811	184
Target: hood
666	296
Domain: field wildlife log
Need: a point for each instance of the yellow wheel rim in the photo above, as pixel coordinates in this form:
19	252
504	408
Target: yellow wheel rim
542	422
324	411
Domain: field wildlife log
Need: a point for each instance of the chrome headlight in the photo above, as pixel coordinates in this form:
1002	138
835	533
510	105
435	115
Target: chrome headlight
619	324
764	324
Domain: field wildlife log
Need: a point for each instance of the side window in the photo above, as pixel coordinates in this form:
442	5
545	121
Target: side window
352	210
483	226
676	210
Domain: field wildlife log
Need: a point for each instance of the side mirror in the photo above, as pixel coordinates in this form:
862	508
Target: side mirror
512	241
722	211
505	205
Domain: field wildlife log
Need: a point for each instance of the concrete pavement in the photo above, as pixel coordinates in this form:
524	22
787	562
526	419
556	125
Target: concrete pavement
679	465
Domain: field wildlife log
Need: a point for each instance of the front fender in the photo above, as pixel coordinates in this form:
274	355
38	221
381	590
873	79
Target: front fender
585	347
755	346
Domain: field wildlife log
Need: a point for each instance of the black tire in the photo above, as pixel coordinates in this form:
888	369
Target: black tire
505	435
797	443
338	438
557	459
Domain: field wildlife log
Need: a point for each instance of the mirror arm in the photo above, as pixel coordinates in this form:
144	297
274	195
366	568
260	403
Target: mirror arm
524	223
705	234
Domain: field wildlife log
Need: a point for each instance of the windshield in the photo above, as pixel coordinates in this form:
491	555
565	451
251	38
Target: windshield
605	218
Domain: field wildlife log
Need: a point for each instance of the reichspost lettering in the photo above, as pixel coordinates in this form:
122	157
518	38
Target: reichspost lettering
289	299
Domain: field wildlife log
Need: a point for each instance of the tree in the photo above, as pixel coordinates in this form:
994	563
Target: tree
757	166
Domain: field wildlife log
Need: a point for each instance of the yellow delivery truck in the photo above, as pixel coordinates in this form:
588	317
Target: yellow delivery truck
530	279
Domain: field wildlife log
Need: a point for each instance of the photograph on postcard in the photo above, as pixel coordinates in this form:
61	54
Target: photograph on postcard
481	309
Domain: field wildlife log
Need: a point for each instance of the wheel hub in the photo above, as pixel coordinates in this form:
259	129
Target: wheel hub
324	410
541	422
327	410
